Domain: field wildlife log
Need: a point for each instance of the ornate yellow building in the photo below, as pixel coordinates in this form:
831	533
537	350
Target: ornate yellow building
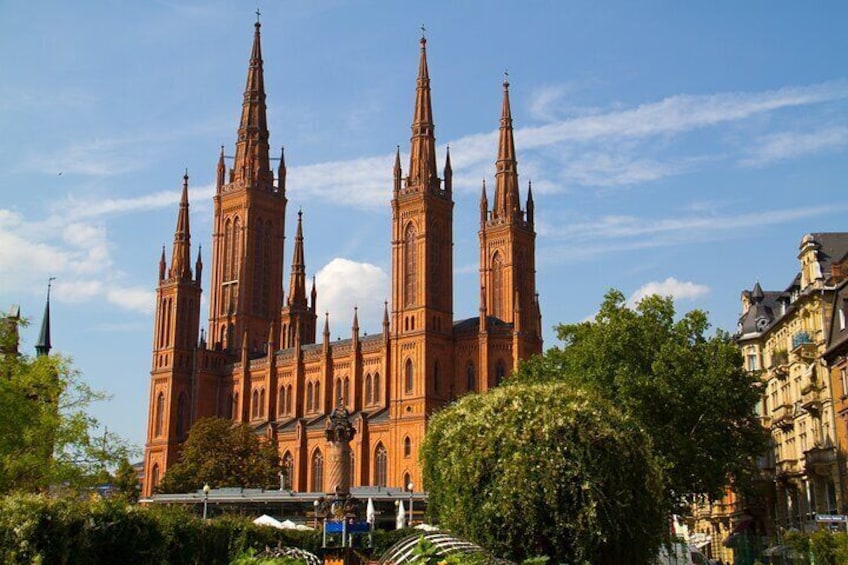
784	335
262	363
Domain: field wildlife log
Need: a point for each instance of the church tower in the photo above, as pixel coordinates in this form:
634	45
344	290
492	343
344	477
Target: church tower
249	227
174	346
422	280
508	249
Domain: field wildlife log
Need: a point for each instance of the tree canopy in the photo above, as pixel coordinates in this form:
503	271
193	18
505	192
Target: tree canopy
686	389
544	469
48	438
221	453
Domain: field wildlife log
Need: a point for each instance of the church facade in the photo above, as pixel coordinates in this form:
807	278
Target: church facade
262	361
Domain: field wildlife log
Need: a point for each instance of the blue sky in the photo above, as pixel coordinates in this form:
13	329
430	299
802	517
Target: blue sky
678	147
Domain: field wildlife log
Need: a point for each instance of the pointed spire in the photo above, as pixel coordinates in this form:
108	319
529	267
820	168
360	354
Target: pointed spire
314	295
398	173
422	158
297	284
484	205
198	265
163	265
43	346
181	257
356	319
757	294
326	328
386	318
272	338
252	163
281	171
507	204
531	207
222	171
448	171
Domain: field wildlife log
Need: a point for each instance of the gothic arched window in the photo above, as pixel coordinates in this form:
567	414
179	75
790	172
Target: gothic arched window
500	372
346	392
154	479
317	396
377	393
317	471
309	397
470	378
288	399
369	398
258	267
410	375
235	406
228	250
410	255
434	240
160	414
288	471
281	401
182	415
380	465
254	405
497	286
407	447
339	394
262	402
237	242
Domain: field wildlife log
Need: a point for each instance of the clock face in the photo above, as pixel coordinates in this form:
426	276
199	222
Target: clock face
762	323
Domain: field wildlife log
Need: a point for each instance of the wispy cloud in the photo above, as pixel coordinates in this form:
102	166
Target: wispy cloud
790	145
679	290
85	208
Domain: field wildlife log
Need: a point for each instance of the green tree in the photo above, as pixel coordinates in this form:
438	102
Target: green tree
545	469
126	481
222	454
689	391
48	438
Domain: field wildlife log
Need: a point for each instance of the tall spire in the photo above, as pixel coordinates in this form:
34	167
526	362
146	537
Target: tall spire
198	265
448	171
252	163
297	285
531	207
507	204
43	346
181	257
222	171
484	205
422	159
281	172
163	265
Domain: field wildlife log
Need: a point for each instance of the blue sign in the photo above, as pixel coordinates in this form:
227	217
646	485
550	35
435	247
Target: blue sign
337	527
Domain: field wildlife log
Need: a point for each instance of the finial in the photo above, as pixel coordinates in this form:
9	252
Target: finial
185	176
506	79
299	212
258	13
423	35
49	285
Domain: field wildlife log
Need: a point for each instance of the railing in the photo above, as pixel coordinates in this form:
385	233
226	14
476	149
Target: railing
784	416
803	346
811	398
819	458
787	467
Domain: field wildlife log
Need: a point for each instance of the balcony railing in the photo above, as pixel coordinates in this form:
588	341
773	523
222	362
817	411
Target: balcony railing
803	346
819	459
811	398
783	416
787	468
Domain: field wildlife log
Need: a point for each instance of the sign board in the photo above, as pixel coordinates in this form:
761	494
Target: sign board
337	527
831	518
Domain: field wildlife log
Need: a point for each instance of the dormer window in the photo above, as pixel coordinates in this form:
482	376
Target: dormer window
762	323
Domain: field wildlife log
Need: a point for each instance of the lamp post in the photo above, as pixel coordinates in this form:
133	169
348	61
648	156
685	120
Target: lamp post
409	487
315	504
206	490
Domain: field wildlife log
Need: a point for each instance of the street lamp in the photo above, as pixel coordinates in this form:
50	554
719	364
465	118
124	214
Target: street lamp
409	487
206	490
315	504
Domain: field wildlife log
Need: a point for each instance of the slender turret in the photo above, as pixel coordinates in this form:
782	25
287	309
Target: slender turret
507	204
181	257
43	346
422	158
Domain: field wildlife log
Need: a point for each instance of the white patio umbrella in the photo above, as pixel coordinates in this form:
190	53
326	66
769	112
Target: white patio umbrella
370	515
266	520
400	521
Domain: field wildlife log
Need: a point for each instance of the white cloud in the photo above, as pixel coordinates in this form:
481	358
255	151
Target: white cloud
91	208
136	299
343	284
679	290
790	145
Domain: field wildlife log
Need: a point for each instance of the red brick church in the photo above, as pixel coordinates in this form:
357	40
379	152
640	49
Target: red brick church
262	360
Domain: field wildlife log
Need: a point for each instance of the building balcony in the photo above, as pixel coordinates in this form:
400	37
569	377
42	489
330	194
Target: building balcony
787	468
811	398
783	416
820	460
803	346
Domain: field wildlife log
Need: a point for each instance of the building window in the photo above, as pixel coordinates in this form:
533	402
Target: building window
281	401
288	471
500	372
843	378
470	377
160	414
339	395
369	398
752	362
497	286
182	415
410	376
410	263
254	405
377	388
346	391
317	402
407	447
842	317
380	462
235	405
317	471
154	476
309	397
407	480
288	399
262	402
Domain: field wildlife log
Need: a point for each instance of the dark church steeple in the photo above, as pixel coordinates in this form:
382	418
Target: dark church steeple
43	346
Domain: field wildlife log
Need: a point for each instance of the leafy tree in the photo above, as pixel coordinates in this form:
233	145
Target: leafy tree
126	481
220	453
48	437
544	469
689	391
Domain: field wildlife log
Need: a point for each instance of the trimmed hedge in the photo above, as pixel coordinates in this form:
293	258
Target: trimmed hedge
38	529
